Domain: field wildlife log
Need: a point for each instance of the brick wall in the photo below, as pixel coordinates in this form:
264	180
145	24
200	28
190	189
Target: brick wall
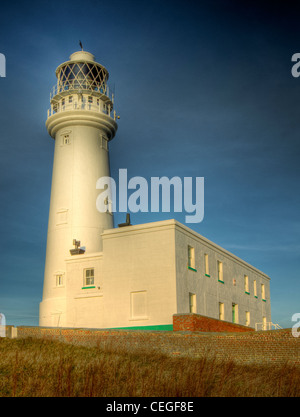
196	322
262	347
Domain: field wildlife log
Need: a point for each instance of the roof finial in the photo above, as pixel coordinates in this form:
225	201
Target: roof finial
81	45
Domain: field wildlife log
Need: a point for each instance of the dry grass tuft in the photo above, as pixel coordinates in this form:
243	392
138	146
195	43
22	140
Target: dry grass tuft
44	368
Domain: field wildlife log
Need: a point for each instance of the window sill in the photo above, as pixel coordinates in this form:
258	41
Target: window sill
246	292
192	269
219	280
86	288
139	318
263	300
255	296
207	275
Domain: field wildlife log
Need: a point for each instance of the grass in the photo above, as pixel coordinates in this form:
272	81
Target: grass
45	368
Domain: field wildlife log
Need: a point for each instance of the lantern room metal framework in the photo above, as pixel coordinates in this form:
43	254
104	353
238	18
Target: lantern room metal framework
82	84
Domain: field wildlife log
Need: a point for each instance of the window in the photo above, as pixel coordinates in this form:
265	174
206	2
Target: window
235	317
192	303
89	275
263	293
255	288
191	257
246	284
98	101
220	271
103	142
109	205
63	102
59	280
206	264
90	99
247	318
66	139
70	99
264	324
221	311
82	75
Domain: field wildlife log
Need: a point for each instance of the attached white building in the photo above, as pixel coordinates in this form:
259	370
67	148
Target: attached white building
135	276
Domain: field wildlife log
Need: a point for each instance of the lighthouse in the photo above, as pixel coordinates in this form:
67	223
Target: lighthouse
82	122
134	276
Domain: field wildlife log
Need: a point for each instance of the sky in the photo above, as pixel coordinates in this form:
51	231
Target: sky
202	88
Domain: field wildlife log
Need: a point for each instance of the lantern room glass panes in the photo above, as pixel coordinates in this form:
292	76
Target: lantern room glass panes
82	75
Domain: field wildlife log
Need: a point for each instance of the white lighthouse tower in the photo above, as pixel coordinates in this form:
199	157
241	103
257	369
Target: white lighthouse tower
81	120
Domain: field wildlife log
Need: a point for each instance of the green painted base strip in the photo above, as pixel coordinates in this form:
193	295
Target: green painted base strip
86	288
161	327
192	269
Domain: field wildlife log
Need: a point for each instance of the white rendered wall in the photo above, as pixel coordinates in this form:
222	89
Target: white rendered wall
138	265
135	270
208	290
84	306
147	264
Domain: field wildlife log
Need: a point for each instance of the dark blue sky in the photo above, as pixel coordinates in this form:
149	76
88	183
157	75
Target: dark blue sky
203	88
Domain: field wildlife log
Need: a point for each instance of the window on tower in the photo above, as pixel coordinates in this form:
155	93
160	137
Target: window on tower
59	280
66	139
103	142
